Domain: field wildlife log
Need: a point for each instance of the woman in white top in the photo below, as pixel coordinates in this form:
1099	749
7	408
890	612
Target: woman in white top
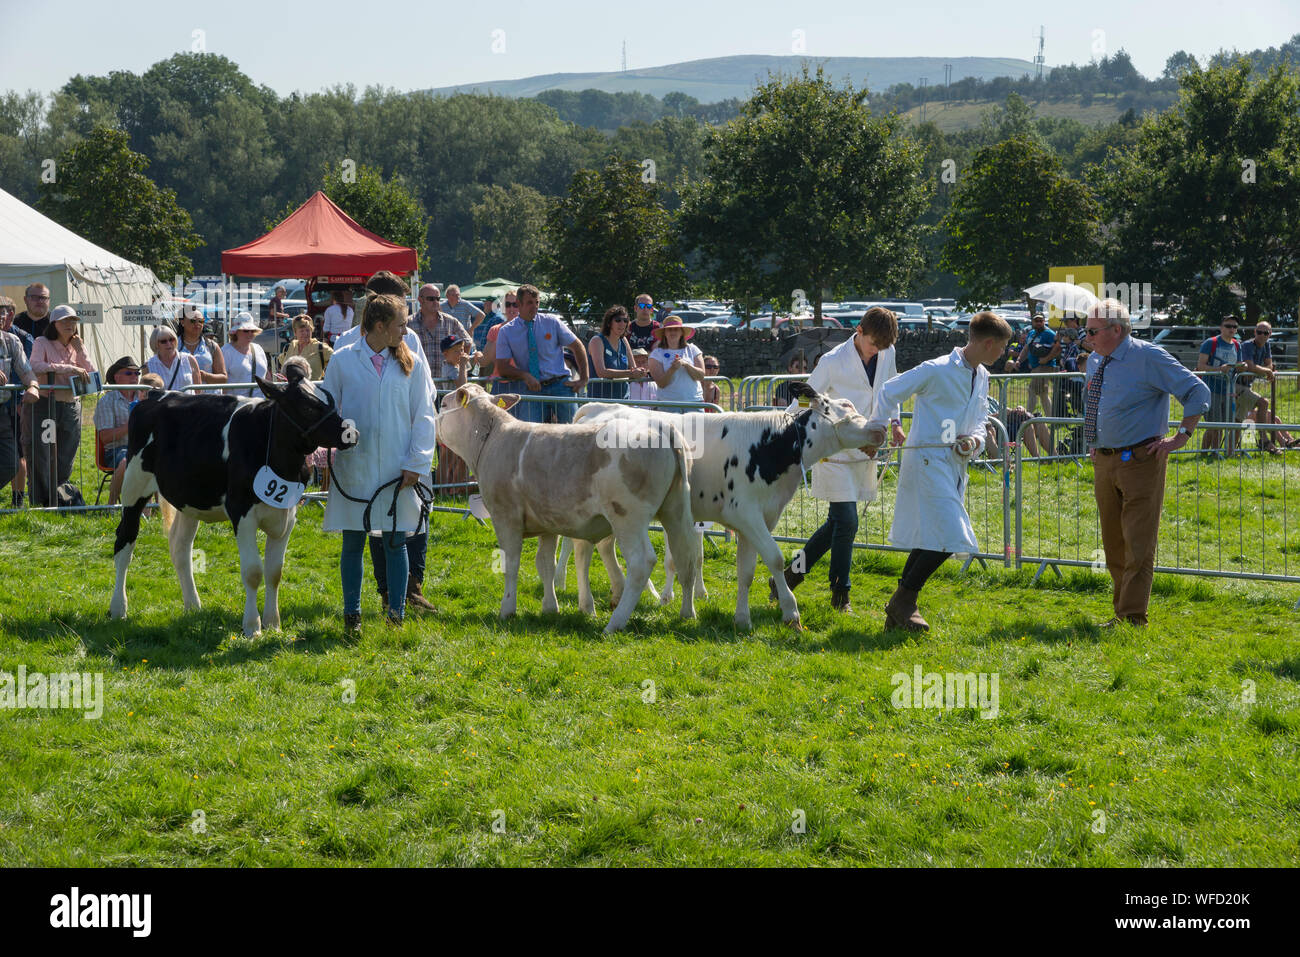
676	366
244	357
193	341
857	369
383	391
176	369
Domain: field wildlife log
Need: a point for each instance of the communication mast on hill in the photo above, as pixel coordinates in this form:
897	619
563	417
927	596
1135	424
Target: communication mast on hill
924	81
624	56
947	81
1039	60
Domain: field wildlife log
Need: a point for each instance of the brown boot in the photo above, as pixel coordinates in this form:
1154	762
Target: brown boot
792	580
415	597
840	600
901	611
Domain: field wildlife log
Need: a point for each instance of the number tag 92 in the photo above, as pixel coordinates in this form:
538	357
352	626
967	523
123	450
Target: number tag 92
275	491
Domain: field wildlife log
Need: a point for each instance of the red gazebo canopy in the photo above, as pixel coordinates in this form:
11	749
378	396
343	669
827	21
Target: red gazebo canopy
318	239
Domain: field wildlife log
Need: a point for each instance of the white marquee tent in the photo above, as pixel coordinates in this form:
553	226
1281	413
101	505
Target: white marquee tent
34	248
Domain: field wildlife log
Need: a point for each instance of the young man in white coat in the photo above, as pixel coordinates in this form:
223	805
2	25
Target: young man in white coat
857	369
952	405
382	388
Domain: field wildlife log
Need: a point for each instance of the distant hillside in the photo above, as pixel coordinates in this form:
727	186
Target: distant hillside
965	115
722	78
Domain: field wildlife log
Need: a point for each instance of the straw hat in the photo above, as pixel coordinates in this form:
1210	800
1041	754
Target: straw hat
673	322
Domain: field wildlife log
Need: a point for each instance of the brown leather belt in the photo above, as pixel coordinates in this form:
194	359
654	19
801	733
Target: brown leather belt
1129	448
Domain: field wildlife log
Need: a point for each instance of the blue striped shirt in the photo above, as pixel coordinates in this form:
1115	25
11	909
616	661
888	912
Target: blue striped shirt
1135	390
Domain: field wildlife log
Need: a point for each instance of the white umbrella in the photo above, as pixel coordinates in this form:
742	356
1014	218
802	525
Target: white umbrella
1063	295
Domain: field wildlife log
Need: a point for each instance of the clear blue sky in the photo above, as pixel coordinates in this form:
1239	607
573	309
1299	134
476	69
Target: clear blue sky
312	44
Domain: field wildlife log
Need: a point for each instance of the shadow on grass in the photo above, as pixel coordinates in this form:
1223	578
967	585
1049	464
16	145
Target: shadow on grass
204	638
1078	629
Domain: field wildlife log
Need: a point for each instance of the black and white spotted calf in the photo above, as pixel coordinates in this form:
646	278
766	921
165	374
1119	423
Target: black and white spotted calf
745	468
201	454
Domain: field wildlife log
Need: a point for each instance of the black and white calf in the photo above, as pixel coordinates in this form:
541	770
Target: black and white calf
745	468
217	457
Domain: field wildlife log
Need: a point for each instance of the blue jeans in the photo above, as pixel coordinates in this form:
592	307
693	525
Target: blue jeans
837	534
354	543
416	547
540	411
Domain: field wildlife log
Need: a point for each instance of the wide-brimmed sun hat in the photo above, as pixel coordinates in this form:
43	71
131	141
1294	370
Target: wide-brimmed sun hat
672	322
244	322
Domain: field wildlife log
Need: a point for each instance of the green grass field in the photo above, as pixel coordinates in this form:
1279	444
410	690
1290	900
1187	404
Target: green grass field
540	741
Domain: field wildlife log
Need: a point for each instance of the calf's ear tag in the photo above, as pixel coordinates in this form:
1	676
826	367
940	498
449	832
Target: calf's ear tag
805	402
501	403
464	400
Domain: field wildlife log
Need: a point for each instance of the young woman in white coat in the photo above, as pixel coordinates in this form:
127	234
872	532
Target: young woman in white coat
391	408
952	405
857	369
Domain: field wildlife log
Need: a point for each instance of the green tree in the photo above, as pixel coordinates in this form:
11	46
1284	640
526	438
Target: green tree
611	239
383	206
100	191
807	191
1209	197
509	231
1014	214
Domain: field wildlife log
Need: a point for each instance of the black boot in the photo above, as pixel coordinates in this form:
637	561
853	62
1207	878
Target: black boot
792	580
840	600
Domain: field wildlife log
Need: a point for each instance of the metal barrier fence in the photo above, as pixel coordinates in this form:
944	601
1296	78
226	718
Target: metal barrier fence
1222	517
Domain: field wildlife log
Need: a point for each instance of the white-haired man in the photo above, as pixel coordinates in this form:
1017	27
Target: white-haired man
1125	421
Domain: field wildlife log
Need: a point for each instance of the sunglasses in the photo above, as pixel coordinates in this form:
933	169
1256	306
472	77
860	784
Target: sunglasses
1094	332
645	305
1263	332
512	305
1229	325
431	298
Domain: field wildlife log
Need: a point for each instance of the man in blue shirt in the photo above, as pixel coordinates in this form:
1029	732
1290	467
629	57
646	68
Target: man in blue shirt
1221	356
536	345
481	328
1126	416
1037	355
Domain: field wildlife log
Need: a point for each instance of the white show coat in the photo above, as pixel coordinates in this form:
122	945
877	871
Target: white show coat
848	475
393	416
930	509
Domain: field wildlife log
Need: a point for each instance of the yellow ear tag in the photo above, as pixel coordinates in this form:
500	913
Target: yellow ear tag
501	403
805	402
464	400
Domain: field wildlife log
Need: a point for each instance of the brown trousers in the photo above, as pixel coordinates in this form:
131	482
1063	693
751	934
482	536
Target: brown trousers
1129	499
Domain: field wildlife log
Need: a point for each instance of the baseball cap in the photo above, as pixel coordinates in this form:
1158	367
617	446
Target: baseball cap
449	341
63	312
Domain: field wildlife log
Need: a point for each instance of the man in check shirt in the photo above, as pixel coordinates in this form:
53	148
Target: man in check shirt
433	325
